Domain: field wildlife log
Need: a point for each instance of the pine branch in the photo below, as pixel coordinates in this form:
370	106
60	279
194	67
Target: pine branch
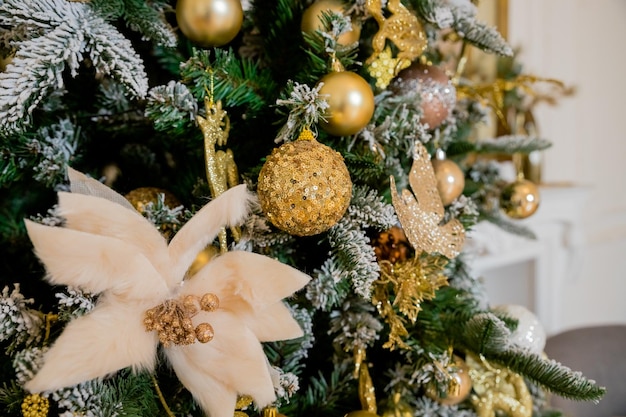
147	18
511	144
365	167
172	108
435	12
11	396
507	225
480	35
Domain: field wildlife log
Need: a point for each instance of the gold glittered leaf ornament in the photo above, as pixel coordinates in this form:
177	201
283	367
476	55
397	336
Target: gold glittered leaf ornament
421	212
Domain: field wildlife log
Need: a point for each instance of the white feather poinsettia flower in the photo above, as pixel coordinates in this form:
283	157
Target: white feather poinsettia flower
106	247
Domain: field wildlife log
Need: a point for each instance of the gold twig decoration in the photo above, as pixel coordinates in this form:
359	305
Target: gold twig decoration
403	287
422	211
168	411
401	28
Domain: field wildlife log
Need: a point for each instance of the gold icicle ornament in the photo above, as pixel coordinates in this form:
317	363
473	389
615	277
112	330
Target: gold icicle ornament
401	28
421	212
221	170
498	389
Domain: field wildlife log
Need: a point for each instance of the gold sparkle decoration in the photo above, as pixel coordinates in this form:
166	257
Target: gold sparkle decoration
497	389
421	212
304	187
243	402
408	284
221	170
401	28
172	320
34	405
383	68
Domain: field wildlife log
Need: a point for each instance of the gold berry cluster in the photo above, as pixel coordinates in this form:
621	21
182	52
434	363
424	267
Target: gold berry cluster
34	405
172	320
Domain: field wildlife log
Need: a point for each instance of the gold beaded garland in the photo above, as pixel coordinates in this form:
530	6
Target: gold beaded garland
209	22
304	187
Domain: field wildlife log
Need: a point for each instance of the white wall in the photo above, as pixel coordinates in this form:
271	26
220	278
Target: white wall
583	43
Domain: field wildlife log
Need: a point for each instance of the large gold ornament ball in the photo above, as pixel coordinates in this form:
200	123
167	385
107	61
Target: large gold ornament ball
437	93
312	19
450	180
304	187
520	199
209	22
350	100
460	387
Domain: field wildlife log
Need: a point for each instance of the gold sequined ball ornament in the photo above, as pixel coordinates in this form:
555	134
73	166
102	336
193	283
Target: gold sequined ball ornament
520	199
141	197
450	178
459	387
209	22
34	405
438	94
312	20
304	187
350	103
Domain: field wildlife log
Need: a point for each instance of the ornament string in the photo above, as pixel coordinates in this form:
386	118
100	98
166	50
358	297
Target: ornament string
221	170
167	409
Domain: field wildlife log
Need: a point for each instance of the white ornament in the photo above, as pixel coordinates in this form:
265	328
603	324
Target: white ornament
530	333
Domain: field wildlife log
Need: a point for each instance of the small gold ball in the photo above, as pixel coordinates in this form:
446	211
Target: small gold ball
209	22
312	20
351	103
209	302
462	383
304	187
190	304
520	199
204	332
450	180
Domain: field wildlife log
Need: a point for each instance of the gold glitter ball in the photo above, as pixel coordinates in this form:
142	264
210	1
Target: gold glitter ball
209	302
204	332
304	187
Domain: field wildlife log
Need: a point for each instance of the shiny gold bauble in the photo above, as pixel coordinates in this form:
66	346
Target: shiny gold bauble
351	103
437	93
460	387
519	199
397	407
392	245
450	180
312	20
209	22
304	187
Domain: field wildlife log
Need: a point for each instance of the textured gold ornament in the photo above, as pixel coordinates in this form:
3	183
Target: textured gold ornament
498	389
437	93
350	103
34	405
221	170
383	68
408	284
172	320
450	180
141	197
520	199
459	386
421	212
304	187
312	20
209	22
401	28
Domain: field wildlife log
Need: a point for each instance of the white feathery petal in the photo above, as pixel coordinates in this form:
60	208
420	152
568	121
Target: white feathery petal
233	358
273	323
109	338
95	263
82	184
105	218
230	208
257	279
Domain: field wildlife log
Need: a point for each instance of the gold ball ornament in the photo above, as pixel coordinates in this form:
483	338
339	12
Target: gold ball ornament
437	93
520	199
209	22
450	180
312	20
459	388
141	197
350	100
304	187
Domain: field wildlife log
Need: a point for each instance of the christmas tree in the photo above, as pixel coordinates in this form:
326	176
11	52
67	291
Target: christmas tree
215	207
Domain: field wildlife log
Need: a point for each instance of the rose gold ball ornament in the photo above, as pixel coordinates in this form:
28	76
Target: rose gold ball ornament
438	95
312	19
450	178
519	199
209	22
351	103
459	387
304	187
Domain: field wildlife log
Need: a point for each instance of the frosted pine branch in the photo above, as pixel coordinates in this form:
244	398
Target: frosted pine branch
355	326
171	106
511	144
435	12
55	146
368	209
19	324
479	34
147	18
306	108
324	290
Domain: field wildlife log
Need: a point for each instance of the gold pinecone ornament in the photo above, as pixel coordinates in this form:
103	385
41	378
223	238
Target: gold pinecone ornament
304	187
